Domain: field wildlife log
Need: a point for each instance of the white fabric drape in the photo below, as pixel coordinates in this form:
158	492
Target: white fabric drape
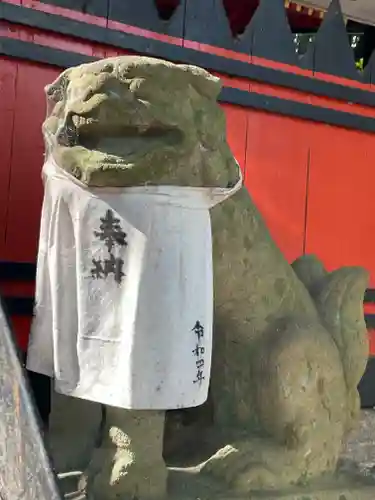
124	299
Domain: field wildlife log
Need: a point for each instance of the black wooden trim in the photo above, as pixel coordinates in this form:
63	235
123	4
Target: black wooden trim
19	306
366	387
29	17
57	57
297	109
370	321
42	54
17	271
370	296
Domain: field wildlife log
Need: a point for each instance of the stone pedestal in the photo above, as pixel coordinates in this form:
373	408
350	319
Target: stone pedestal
185	487
355	481
350	493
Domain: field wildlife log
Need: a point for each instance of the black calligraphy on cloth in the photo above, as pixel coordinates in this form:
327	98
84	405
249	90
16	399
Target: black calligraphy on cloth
199	352
113	236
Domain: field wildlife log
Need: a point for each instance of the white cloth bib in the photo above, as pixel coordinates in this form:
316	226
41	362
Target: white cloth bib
124	298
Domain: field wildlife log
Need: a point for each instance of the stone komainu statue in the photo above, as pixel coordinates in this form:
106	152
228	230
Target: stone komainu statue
290	343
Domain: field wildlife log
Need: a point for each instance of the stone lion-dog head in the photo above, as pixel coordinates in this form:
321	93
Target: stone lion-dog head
134	120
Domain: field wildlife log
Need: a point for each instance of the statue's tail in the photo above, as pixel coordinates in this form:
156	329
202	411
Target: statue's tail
338	297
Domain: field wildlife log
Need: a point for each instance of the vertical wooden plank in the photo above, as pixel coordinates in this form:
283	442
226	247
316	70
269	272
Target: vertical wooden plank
8	72
276	176
340	224
25	189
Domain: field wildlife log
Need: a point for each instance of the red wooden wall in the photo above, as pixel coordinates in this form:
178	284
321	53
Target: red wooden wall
22	96
312	182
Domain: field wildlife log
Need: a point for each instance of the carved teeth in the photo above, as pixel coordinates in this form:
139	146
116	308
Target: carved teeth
81	121
78	120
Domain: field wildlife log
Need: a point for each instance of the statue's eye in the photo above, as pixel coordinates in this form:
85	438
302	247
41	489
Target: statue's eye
89	95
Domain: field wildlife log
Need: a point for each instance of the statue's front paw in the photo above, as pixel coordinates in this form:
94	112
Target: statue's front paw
117	475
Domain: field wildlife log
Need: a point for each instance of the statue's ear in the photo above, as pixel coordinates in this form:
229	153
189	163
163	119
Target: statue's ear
310	271
56	91
205	83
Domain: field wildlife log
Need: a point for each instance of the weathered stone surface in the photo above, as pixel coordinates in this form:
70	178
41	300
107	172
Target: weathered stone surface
73	432
290	341
284	395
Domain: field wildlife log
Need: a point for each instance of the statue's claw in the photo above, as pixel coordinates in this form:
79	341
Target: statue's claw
255	464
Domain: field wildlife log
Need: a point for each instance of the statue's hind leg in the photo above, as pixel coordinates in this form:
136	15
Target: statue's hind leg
301	403
338	297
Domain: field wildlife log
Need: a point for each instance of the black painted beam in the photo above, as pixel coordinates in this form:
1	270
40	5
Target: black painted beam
370	296
271	35
19	306
366	387
370	321
17	271
297	109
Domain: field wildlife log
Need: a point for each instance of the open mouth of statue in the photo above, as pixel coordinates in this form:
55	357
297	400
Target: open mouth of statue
123	141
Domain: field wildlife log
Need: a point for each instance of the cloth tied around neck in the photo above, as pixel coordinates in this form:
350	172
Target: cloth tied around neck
124	292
